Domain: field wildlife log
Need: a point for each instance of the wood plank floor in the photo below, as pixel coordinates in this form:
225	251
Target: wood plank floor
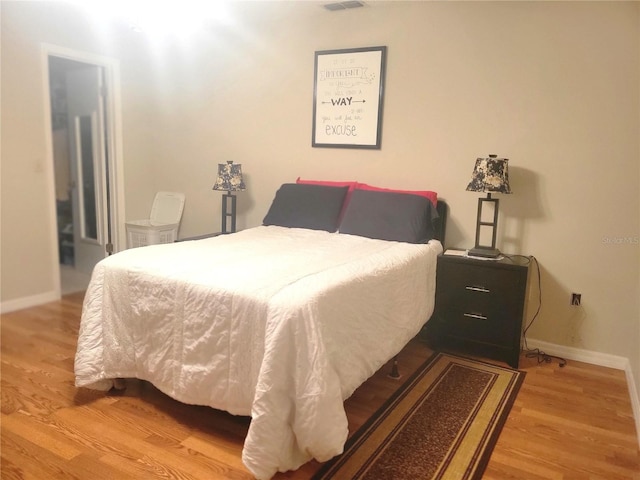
567	423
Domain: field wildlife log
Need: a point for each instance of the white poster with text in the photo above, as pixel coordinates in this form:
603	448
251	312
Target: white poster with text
347	110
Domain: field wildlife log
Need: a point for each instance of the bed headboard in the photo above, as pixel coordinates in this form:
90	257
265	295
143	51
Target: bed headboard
440	223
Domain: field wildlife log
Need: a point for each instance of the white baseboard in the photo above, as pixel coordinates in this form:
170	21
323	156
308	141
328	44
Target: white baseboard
601	359
26	302
635	398
580	355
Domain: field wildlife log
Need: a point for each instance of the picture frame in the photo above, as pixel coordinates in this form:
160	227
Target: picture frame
348	94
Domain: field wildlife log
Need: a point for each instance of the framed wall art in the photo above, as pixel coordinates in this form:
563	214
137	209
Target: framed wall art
348	94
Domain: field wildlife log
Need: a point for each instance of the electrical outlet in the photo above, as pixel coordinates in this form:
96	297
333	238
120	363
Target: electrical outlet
576	299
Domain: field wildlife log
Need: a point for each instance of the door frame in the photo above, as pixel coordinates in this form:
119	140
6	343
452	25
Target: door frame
113	126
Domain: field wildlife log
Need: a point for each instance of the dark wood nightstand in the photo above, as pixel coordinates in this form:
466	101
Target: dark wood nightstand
480	306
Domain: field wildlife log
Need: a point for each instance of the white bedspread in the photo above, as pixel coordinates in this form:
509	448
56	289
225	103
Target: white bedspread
277	323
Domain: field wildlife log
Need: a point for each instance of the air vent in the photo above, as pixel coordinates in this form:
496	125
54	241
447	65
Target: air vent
343	5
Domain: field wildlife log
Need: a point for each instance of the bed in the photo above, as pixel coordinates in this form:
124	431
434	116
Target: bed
281	322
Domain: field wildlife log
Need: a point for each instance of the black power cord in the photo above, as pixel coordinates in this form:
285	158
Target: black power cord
536	352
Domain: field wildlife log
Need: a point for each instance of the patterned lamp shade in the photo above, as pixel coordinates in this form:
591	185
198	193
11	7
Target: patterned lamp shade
490	175
229	177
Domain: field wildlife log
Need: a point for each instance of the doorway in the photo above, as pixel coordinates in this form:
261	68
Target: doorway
80	136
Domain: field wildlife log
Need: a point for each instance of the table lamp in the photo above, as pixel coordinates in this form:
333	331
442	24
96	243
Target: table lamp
230	180
490	175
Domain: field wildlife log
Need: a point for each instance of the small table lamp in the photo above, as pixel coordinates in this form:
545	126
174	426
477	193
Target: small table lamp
490	175
229	179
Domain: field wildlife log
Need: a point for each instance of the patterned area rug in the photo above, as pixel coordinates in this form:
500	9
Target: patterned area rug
441	424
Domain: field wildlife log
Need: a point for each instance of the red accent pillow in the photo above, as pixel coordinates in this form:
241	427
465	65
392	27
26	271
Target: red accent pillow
433	196
330	183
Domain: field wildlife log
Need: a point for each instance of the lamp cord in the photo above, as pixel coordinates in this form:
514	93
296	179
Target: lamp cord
536	352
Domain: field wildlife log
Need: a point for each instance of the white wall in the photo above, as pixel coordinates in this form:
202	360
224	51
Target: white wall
554	86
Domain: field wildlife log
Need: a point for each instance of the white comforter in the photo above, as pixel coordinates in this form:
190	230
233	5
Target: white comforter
277	323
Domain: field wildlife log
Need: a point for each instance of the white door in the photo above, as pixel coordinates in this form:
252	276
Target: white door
88	166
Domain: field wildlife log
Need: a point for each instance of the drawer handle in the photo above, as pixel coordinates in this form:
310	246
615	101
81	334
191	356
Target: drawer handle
475	315
478	289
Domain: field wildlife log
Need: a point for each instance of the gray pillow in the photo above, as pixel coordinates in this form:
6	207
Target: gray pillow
400	217
316	207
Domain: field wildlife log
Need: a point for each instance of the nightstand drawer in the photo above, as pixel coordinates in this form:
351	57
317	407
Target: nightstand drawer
487	326
477	282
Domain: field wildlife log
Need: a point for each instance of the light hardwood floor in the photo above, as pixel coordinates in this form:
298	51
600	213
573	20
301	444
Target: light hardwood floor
567	423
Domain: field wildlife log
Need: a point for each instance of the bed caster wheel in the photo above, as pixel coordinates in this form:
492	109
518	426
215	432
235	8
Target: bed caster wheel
395	374
119	384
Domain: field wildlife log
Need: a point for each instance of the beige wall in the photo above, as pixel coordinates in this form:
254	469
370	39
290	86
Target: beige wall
27	208
554	86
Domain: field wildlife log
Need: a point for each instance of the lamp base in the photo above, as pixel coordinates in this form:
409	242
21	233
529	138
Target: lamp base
228	214
484	252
